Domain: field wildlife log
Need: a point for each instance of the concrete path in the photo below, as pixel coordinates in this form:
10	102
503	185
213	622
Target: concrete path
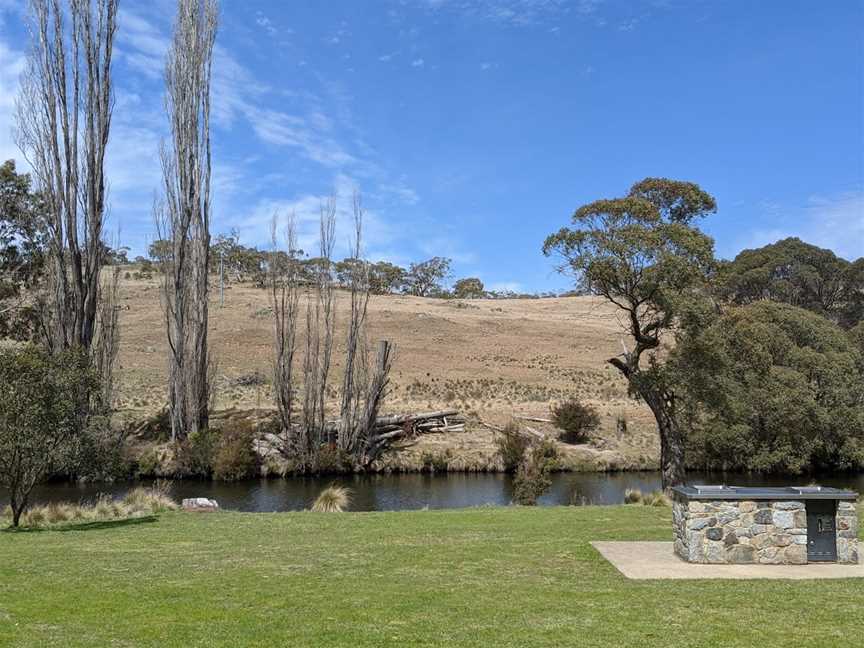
656	560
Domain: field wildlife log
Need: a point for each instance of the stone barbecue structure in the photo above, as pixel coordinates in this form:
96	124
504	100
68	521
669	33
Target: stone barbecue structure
773	526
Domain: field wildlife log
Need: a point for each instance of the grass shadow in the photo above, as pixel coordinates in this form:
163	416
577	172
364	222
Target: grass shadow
86	526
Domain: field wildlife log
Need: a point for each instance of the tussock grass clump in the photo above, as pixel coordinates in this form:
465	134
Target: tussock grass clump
333	499
138	502
632	496
156	499
654	498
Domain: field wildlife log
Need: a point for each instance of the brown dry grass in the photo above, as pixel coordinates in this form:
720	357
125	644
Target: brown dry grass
492	359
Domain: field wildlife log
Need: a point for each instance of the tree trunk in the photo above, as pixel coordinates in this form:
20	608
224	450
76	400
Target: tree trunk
672	468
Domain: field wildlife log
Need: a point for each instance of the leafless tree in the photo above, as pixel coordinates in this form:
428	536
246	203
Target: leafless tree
64	111
284	286
320	326
183	214
355	372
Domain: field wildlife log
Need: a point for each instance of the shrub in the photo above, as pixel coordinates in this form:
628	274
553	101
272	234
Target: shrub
149	463
632	496
194	455
575	420
511	446
333	499
532	477
436	462
333	461
235	457
40	416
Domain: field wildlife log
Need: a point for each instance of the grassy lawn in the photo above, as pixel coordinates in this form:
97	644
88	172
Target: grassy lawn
479	577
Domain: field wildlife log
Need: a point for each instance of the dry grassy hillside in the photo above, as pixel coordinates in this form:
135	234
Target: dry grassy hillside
492	359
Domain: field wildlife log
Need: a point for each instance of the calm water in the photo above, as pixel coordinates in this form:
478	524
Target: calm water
413	491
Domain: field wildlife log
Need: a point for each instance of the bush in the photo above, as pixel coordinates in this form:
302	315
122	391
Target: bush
511	446
194	455
235	457
532	477
333	499
436	462
632	496
333	461
575	420
654	498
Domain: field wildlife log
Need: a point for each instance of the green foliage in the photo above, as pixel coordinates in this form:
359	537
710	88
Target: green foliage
194	455
235	457
160	251
469	288
385	278
772	387
511	446
533	479
23	239
424	279
575	420
797	273
41	403
643	254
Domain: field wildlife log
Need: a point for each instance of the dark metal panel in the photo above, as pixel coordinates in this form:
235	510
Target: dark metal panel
821	531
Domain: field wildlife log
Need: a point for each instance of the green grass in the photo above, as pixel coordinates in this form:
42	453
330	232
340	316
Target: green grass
475	577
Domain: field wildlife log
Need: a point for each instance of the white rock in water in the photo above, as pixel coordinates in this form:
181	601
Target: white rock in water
200	504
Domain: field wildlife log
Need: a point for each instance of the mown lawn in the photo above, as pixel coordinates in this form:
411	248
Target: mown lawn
476	577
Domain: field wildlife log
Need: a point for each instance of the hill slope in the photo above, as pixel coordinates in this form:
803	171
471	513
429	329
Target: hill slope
491	359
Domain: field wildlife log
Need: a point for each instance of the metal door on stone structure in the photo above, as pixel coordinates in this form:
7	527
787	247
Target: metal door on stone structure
821	530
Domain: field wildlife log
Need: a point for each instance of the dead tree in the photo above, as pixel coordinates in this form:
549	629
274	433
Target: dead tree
64	110
183	214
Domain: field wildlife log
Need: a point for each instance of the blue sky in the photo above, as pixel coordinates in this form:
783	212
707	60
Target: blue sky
474	128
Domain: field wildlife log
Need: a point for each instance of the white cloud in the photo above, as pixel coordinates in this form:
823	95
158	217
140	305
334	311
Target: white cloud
417	62
12	64
401	192
835	222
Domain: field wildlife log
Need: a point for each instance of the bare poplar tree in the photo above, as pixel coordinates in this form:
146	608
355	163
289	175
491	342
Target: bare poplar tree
355	375
284	285
64	113
320	325
183	216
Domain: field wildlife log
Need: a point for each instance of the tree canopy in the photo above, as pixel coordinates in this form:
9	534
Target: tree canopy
643	254
771	387
798	273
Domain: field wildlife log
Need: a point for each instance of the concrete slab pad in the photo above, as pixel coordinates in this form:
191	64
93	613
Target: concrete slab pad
657	560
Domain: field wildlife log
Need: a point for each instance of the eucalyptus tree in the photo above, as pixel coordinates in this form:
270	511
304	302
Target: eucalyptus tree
643	254
183	213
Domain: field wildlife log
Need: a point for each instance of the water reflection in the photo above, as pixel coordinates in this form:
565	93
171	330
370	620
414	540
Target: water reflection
404	492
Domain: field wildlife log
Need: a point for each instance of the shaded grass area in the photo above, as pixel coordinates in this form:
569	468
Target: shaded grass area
473	577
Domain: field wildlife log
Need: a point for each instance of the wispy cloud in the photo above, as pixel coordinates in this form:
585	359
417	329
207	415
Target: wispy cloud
265	23
835	222
12	64
417	63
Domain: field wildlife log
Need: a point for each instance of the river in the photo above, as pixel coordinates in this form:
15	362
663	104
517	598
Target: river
418	491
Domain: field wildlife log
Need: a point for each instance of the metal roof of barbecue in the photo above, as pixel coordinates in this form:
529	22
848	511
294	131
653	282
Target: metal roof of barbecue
723	492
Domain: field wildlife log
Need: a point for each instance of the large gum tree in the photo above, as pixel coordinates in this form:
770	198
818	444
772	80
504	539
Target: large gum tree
643	254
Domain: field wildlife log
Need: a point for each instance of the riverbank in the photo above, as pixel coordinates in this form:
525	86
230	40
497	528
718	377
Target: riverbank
473	577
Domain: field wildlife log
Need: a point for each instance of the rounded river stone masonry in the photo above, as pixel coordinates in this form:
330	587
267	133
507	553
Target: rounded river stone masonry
769	526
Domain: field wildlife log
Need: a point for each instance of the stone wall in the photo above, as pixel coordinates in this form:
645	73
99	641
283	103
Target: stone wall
764	532
847	533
